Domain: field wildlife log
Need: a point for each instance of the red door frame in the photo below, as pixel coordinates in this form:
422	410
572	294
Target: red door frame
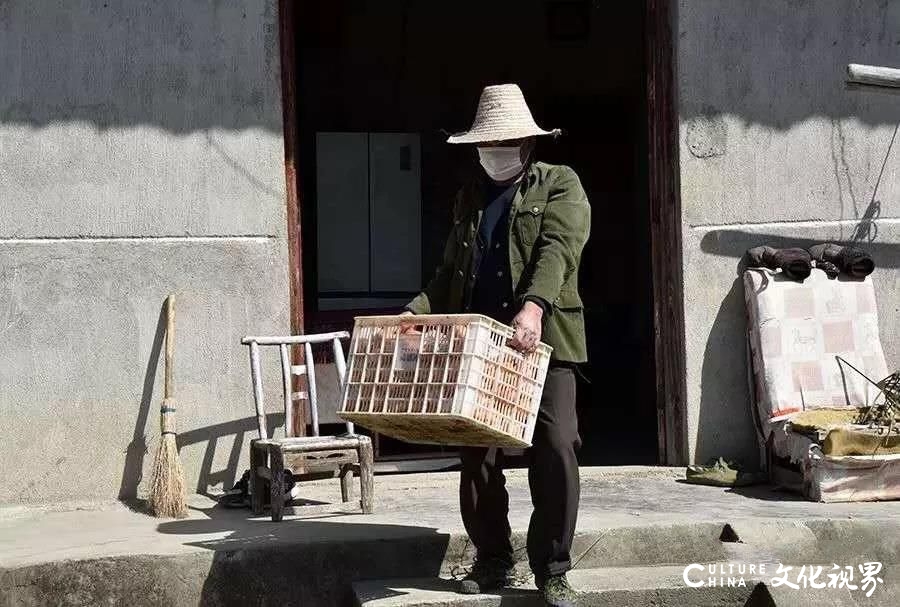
287	47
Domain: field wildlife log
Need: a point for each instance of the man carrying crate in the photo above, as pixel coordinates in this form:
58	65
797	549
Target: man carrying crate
513	254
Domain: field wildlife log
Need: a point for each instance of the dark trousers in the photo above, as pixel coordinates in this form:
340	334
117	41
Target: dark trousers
552	477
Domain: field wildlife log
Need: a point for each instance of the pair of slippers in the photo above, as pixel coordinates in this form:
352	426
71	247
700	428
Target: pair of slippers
797	263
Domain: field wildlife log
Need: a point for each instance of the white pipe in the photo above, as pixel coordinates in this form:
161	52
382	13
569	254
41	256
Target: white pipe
873	75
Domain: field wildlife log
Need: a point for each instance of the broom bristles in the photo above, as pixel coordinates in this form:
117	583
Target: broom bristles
167	481
167	484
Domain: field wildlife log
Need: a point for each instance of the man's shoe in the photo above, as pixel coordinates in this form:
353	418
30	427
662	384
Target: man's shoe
488	575
557	592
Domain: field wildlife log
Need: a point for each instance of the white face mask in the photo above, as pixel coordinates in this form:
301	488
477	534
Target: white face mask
501	163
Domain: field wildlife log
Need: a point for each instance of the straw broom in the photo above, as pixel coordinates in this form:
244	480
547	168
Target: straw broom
167	481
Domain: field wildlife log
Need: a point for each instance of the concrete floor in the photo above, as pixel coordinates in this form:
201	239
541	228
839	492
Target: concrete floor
407	506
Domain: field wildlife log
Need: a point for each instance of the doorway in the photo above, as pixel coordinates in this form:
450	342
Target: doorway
370	67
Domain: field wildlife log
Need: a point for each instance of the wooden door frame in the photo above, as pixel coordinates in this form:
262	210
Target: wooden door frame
664	193
288	49
288	61
665	231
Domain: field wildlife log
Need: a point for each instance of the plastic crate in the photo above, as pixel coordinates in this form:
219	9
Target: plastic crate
451	380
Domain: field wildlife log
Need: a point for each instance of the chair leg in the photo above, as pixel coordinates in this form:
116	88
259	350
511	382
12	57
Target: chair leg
346	482
276	500
366	475
257	460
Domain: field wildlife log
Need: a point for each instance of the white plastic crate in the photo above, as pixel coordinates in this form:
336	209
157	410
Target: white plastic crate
451	380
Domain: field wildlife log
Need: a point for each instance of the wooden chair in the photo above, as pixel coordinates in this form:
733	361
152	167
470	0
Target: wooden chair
326	456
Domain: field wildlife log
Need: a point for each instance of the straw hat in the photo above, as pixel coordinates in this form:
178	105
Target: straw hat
502	114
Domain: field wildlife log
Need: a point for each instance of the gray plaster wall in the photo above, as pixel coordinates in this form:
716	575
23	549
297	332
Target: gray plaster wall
141	154
775	149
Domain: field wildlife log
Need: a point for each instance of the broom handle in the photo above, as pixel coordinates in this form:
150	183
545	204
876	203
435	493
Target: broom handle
170	344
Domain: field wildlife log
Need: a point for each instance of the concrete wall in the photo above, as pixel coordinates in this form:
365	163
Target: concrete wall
775	149
141	154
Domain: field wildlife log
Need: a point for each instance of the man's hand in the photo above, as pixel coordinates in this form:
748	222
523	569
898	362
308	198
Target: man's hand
407	323
527	327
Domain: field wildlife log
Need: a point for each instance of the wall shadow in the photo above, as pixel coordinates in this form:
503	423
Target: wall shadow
724	397
767	493
781	62
306	561
212	436
193	66
734	243
138	448
133	472
179	66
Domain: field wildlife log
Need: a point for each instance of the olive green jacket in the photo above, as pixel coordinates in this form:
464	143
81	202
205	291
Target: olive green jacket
549	224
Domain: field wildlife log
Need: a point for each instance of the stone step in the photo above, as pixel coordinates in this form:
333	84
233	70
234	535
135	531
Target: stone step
658	586
314	562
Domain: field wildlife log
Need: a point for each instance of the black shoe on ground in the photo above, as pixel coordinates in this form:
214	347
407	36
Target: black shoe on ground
488	575
557	592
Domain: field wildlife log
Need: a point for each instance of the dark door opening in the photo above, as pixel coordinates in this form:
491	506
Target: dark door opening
398	66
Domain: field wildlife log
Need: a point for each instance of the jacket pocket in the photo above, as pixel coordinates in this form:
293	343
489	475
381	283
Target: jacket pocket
528	221
568	300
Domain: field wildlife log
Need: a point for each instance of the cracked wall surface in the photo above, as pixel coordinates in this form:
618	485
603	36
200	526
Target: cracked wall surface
141	154
776	149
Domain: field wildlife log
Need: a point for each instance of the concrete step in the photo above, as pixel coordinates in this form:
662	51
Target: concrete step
313	562
659	586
